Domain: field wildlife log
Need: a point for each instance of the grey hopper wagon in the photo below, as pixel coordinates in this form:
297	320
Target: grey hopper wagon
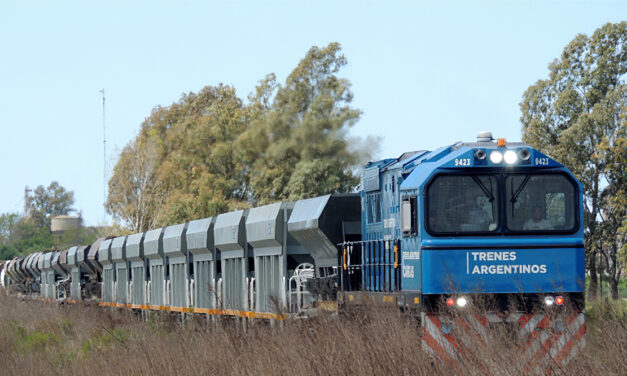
40	263
34	270
27	266
28	272
153	251
92	264
20	270
139	269
108	271
15	269
320	223
11	270
60	272
75	273
266	232
201	247
59	264
118	257
31	265
24	267
49	276
7	269
175	249
37	265
43	283
230	239
13	273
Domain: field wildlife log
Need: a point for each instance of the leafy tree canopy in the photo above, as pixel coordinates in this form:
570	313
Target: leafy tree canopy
211	152
48	202
578	115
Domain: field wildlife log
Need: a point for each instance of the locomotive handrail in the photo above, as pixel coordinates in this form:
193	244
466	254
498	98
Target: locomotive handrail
395	256
376	266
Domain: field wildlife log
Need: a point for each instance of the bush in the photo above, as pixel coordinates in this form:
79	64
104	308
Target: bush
40	338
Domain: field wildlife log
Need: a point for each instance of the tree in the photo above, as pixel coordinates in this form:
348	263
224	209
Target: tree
577	115
133	188
210	152
183	164
613	237
8	227
20	236
49	202
300	146
202	172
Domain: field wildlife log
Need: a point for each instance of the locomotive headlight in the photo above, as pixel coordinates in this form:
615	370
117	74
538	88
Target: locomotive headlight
549	300
461	302
480	154
496	157
510	157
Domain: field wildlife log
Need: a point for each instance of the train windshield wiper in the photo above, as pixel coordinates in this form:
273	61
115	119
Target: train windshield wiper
517	193
519	189
485	190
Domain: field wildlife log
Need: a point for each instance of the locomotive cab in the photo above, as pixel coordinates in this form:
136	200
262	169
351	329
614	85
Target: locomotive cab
468	222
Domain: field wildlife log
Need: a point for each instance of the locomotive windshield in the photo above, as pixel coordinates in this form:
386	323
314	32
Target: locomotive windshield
540	203
463	204
470	204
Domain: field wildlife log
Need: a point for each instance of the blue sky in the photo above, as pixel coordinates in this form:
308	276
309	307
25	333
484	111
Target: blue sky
423	73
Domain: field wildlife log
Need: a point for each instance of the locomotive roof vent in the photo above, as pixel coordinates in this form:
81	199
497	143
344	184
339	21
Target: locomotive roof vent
484	136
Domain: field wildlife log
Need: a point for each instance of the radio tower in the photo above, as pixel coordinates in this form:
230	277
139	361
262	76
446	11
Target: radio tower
104	152
27	192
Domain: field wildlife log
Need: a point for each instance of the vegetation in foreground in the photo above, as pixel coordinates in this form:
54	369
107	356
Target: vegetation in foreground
43	338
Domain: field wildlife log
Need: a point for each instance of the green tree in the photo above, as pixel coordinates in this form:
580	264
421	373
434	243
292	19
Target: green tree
49	202
183	164
299	142
22	236
202	172
210	152
8	227
577	115
133	189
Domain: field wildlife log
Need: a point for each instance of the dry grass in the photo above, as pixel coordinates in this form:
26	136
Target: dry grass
39	338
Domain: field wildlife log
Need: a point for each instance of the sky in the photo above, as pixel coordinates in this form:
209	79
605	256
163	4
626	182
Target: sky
424	74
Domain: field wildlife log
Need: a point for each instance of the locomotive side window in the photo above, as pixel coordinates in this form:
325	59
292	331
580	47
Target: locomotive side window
462	204
409	216
540	203
374	208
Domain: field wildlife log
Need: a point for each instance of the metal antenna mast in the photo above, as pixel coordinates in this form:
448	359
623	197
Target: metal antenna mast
27	192
104	152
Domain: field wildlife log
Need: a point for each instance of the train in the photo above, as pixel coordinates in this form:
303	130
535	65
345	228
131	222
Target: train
430	232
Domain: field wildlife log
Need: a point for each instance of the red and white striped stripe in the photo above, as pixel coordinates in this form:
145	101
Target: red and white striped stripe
545	338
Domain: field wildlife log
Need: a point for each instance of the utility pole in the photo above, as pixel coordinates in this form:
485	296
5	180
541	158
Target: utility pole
27	192
104	152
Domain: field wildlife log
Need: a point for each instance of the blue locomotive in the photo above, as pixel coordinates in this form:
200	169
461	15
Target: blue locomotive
467	221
